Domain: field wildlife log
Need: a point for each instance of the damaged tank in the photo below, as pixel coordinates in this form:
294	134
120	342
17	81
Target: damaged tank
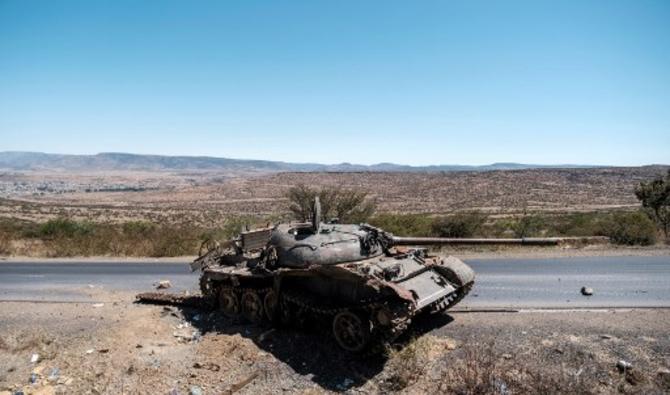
365	284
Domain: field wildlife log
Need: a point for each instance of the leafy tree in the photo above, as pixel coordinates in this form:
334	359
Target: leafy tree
349	206
655	198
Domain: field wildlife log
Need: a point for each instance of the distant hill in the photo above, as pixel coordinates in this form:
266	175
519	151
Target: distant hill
15	160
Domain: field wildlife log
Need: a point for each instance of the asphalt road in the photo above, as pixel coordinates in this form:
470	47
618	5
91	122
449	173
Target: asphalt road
500	283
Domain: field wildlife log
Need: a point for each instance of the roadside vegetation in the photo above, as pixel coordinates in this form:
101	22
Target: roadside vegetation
62	237
65	236
655	198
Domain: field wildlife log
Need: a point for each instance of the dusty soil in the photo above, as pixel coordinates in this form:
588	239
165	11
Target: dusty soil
209	198
122	347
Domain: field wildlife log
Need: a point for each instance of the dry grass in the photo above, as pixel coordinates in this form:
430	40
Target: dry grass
408	364
425	365
5	244
483	370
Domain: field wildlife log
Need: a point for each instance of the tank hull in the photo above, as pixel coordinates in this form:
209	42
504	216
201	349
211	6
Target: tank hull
381	294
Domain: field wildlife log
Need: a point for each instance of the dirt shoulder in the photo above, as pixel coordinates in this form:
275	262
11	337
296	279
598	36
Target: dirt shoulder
122	347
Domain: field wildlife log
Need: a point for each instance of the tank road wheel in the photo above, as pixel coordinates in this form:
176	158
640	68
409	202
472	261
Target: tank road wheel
351	330
270	303
252	307
229	303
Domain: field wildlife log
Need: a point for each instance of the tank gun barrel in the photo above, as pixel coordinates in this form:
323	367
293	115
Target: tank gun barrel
538	241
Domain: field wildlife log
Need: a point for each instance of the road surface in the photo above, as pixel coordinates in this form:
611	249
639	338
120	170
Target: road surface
500	284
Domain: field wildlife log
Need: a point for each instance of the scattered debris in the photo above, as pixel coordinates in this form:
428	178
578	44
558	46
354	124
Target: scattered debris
53	376
33	378
236	387
34	358
624	365
208	366
450	344
501	387
265	334
195	390
606	337
90	351
170	299
507	356
587	291
103	350
96	305
164	284
186	335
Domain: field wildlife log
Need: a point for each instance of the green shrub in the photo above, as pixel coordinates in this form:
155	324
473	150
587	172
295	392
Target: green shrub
528	225
170	241
631	228
404	224
5	244
138	228
62	227
578	224
459	225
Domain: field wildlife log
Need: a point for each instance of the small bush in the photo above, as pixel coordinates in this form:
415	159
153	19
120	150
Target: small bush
459	225
138	228
408	364
404	224
634	228
5	244
528	225
62	227
578	224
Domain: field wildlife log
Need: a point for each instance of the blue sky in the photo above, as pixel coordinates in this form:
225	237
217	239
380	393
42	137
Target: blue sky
429	82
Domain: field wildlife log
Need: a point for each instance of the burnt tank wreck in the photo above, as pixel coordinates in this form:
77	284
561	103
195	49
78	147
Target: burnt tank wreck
365	282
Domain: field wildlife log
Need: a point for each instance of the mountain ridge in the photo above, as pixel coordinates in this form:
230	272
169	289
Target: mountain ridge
27	160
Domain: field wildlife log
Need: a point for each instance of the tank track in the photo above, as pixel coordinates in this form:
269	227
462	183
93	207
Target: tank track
380	334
